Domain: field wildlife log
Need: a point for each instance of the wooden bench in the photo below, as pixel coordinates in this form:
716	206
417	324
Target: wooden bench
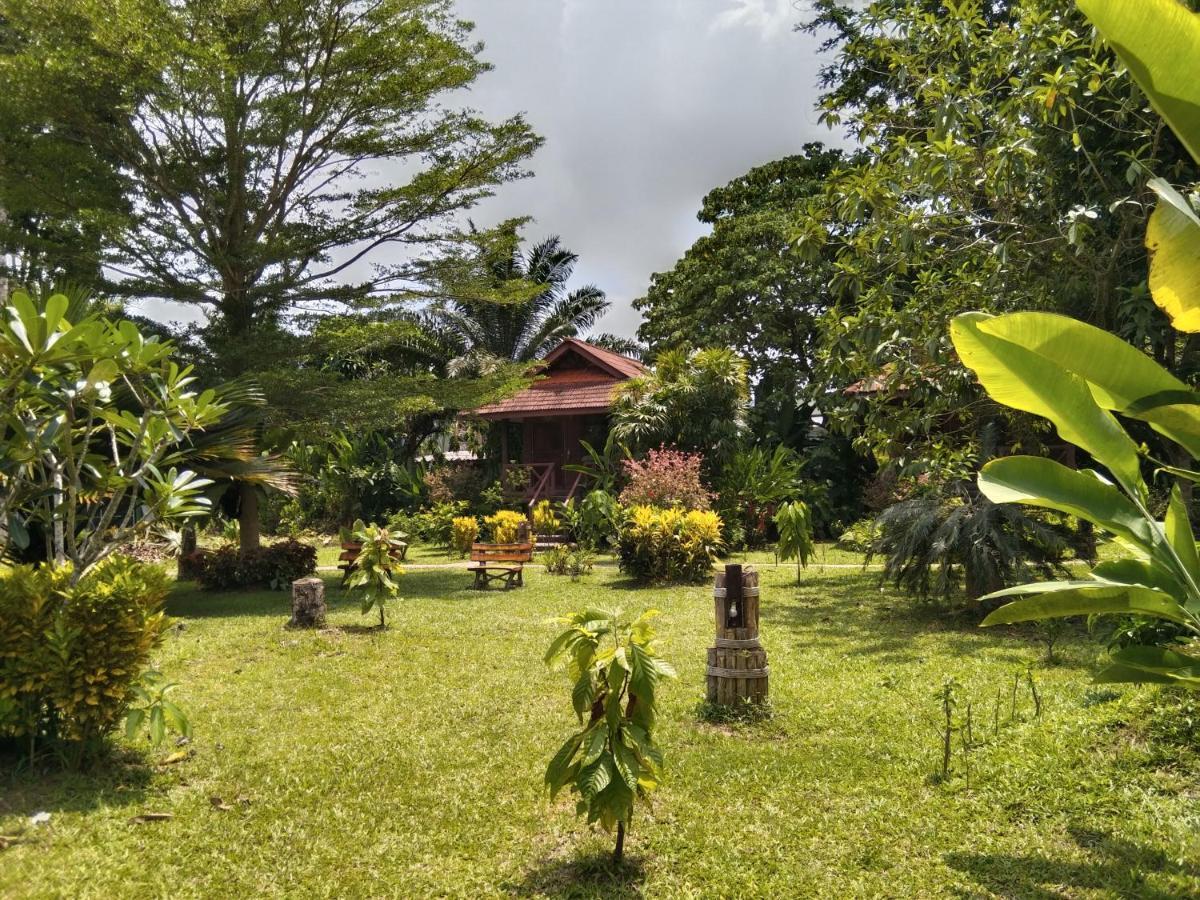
500	562
348	560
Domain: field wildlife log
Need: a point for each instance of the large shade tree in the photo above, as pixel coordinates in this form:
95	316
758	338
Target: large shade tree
276	156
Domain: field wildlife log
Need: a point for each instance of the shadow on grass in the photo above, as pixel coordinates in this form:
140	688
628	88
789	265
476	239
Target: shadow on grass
1117	865
119	780
587	876
851	610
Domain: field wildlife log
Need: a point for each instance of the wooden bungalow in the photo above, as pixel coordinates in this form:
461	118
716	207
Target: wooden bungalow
568	403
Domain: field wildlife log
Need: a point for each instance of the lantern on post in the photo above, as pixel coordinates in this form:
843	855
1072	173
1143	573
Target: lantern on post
737	664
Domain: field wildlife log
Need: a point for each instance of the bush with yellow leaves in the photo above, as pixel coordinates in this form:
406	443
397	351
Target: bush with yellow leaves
504	526
669	545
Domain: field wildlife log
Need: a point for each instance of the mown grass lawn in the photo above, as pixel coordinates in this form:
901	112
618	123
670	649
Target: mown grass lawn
355	763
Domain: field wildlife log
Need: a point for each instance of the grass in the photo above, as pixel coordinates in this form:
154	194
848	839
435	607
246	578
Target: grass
353	762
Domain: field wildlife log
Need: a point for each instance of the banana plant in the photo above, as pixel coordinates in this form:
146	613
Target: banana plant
1079	377
615	669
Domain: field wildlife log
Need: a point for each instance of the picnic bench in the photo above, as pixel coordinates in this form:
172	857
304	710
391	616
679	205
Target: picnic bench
348	560
500	562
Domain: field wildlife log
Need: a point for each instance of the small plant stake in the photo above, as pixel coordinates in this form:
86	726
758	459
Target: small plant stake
737	663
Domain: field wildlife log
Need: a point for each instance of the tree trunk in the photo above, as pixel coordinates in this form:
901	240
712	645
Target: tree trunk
619	851
248	525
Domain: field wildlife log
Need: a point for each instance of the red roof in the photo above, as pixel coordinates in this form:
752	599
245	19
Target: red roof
577	378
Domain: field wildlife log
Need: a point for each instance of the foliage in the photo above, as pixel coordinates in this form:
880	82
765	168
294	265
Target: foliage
666	478
746	286
375	565
937	543
794	525
451	482
575	560
464	531
598	520
528	327
614	668
435	524
504	526
754	483
149	706
273	566
74	651
604	467
105	432
694	400
545	520
669	545
1005	165
859	537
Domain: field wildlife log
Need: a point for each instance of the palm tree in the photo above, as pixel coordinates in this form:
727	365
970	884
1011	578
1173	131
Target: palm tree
524	331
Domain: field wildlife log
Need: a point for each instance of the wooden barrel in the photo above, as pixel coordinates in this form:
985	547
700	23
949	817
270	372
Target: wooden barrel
737	662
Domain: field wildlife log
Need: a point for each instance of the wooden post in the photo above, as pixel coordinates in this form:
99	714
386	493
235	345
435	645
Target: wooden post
737	664
308	603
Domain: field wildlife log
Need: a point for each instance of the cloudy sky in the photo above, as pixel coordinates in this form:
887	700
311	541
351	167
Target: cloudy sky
645	105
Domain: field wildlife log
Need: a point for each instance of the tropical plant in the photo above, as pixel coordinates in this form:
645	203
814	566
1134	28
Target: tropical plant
525	329
669	545
105	433
375	565
575	561
273	566
545	520
944	540
794	525
505	526
614	668
151	708
74	651
604	466
600	517
666	478
464	531
1077	376
753	483
694	400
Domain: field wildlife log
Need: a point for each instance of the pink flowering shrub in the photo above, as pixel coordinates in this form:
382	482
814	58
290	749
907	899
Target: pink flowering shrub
666	478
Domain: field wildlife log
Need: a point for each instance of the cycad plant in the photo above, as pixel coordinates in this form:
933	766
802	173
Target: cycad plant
615	669
1078	376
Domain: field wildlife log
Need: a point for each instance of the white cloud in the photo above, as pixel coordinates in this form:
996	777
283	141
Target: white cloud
771	18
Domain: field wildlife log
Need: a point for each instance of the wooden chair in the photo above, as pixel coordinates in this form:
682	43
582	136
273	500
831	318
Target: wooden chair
348	560
500	562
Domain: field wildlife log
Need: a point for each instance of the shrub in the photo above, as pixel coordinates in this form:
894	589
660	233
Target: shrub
274	566
753	485
599	519
545	521
669	545
504	526
566	560
858	537
464	532
613	759
72	656
436	524
666	478
454	481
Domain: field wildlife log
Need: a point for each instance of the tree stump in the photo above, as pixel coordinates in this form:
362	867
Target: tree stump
188	560
737	664
308	603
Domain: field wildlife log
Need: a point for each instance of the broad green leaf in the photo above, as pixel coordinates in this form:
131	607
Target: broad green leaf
1020	378
556	771
1157	662
1159	42
593	744
1036	481
595	778
1121	377
1122	674
1090	599
133	722
1140	571
1173	240
1179	534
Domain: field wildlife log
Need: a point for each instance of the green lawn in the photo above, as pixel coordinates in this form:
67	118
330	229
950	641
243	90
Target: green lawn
406	763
